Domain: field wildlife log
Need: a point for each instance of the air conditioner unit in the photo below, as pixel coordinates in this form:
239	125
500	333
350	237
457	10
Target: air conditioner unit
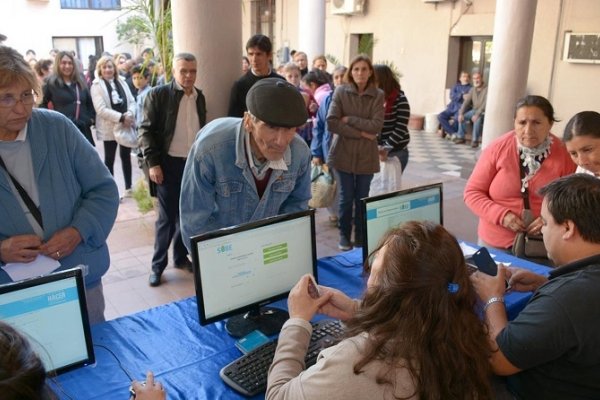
347	7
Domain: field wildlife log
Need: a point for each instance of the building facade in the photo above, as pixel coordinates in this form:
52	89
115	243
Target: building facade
86	26
430	41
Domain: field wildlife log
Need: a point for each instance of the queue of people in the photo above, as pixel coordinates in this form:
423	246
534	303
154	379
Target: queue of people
253	165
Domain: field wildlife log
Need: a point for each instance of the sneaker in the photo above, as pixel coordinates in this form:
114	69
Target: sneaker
450	137
333	220
459	140
344	244
128	193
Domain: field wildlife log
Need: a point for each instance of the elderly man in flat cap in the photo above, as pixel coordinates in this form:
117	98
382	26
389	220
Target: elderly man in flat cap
250	168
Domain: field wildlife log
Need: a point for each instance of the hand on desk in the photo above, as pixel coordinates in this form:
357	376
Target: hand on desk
150	390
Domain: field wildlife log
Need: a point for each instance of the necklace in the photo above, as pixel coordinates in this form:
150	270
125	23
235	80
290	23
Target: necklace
532	158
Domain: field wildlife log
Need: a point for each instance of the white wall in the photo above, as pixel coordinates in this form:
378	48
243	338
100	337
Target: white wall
415	36
31	24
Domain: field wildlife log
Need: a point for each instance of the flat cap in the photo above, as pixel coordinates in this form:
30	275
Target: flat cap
277	103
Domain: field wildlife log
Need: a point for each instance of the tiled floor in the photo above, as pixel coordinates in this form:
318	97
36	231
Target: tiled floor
125	285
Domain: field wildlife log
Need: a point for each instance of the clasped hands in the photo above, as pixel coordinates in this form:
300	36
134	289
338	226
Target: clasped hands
25	248
332	302
516	224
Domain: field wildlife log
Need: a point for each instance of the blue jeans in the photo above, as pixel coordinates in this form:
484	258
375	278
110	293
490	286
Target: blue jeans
477	126
353	187
444	119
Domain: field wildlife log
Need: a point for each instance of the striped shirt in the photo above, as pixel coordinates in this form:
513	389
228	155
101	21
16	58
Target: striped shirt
395	125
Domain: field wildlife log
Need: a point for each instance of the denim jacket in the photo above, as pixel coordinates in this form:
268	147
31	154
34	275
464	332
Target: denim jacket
218	188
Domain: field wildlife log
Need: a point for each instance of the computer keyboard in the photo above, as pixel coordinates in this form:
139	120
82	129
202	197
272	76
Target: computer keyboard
248	374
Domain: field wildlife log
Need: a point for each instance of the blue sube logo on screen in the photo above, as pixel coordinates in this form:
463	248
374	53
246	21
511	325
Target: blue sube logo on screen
225	248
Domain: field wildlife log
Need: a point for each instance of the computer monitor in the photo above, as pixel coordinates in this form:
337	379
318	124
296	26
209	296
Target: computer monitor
51	312
380	213
240	269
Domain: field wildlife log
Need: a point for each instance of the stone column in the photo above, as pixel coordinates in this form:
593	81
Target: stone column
311	28
513	34
212	31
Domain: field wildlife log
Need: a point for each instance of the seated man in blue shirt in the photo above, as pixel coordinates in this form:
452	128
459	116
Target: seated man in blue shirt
552	349
449	117
250	168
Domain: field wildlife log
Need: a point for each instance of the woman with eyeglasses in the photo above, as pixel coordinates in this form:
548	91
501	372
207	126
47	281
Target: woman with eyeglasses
57	199
414	334
114	104
66	93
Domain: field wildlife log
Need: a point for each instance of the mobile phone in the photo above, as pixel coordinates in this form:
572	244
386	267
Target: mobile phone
251	341
313	288
484	262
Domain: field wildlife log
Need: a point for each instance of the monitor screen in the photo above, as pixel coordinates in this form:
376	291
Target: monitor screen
245	267
51	312
423	203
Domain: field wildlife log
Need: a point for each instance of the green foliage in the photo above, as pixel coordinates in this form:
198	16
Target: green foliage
333	60
153	17
142	197
134	30
392	66
366	43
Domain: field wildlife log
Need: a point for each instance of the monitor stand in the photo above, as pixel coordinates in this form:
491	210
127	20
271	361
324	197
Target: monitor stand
268	320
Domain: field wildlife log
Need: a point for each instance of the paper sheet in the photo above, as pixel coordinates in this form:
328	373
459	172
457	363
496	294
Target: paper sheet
42	265
467	250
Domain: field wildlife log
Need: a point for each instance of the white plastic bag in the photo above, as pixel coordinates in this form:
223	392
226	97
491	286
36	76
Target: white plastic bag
125	136
389	177
322	187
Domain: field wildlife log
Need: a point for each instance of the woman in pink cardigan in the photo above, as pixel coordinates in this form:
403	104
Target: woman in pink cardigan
525	158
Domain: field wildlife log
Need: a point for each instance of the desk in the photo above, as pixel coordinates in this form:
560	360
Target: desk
187	357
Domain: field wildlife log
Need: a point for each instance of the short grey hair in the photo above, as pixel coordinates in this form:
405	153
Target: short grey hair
184	57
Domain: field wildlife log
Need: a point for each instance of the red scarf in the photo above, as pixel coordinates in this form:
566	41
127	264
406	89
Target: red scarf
390	99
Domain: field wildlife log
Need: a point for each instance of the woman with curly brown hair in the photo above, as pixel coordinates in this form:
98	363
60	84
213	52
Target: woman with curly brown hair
415	333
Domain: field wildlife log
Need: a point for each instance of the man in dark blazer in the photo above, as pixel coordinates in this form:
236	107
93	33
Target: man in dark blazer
173	114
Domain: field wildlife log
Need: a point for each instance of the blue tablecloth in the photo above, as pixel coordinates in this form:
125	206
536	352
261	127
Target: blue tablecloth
187	357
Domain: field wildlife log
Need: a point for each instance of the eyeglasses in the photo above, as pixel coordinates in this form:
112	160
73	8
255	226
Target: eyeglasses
9	101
